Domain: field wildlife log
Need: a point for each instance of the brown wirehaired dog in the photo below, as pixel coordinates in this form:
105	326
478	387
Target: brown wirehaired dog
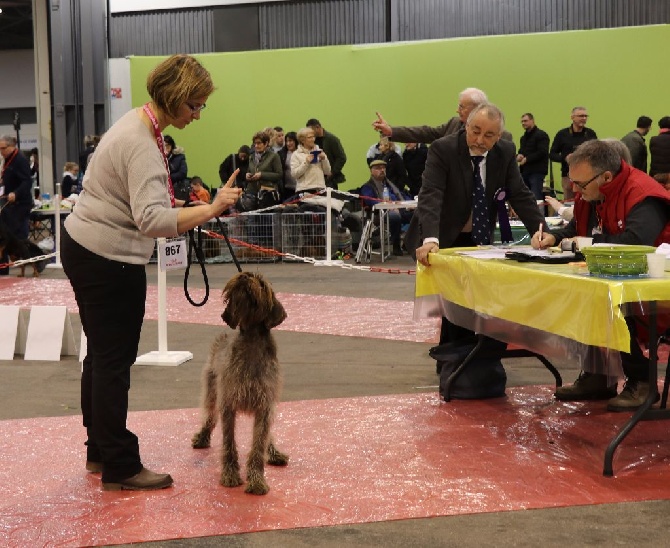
242	375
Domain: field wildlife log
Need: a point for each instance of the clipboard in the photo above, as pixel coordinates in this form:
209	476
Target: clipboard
549	258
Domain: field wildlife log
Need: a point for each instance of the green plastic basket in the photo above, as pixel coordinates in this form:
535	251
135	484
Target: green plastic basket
619	260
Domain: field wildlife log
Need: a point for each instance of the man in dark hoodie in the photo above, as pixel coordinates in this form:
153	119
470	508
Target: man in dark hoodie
533	157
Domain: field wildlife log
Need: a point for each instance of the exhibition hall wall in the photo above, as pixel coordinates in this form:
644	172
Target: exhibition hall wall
618	74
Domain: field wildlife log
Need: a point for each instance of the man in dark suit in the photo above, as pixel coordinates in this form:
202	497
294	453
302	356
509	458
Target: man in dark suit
445	205
465	177
468	99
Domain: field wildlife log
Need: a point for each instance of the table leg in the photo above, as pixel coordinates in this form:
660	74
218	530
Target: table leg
644	410
382	232
365	245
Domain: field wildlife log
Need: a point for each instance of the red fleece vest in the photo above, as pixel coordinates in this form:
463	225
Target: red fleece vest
626	190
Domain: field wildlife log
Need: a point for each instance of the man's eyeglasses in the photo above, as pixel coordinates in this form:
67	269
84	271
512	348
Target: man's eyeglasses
195	108
587	183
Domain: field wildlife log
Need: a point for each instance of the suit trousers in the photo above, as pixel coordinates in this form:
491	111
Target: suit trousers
111	298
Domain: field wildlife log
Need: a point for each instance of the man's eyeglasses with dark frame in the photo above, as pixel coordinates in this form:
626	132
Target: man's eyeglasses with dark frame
587	183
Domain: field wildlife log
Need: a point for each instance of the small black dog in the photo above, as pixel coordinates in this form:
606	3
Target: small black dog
18	250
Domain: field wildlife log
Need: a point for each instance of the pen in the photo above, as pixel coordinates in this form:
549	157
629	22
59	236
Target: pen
540	235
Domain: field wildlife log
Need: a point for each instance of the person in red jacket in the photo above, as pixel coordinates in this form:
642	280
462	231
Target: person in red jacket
615	203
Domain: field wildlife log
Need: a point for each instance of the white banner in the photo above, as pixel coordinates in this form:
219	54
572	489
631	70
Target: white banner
121	6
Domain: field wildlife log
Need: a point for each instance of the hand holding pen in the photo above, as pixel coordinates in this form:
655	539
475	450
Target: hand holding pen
542	239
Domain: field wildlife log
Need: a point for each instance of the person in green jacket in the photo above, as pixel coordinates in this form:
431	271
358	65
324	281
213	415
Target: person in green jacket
264	175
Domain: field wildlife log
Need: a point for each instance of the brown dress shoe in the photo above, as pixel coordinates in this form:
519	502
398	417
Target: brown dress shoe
145	480
94	467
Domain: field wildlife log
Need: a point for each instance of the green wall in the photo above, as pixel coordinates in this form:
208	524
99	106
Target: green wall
618	74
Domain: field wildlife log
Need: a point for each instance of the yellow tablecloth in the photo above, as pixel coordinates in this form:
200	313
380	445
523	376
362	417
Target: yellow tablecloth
562	300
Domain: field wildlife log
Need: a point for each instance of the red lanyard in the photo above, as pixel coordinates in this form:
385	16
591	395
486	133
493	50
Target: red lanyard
8	161
161	147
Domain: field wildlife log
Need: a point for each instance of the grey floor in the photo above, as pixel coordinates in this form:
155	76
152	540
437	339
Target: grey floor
325	366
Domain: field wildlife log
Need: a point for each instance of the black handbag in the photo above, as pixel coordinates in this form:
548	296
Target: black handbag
482	377
267	198
248	201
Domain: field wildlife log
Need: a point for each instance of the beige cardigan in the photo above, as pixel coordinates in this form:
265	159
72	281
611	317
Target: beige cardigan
308	175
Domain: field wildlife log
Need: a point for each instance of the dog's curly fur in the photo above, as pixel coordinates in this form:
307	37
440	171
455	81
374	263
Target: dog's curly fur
242	375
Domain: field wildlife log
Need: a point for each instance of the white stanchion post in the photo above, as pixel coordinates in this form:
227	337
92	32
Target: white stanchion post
56	198
163	356
329	219
329	233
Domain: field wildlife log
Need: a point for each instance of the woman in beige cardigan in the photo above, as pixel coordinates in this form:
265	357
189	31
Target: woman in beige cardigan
309	164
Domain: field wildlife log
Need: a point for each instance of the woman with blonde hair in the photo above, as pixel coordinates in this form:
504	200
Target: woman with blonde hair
309	164
68	185
127	202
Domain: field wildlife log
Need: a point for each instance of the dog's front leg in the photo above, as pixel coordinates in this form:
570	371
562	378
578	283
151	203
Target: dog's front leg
256	483
230	466
275	456
201	439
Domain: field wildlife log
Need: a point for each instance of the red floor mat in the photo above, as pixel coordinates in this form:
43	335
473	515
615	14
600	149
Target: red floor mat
352	461
322	314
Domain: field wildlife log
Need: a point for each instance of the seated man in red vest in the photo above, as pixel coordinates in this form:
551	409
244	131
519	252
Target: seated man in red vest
615	203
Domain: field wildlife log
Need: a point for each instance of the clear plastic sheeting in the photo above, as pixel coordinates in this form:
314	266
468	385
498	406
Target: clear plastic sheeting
322	314
557	304
589	358
352	460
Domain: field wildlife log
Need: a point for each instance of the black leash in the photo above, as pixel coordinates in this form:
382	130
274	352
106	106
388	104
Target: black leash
224	231
200	257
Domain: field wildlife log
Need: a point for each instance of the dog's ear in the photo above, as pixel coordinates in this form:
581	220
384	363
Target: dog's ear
228	316
231	311
277	314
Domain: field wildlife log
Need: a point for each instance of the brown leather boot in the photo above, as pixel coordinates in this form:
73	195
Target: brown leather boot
588	386
145	480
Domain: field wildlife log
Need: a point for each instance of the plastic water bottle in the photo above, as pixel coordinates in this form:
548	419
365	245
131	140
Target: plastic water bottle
385	194
46	200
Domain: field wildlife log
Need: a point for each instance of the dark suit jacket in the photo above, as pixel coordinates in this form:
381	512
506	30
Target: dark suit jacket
428	134
445	200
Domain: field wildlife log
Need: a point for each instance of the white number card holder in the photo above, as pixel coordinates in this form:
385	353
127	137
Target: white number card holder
172	253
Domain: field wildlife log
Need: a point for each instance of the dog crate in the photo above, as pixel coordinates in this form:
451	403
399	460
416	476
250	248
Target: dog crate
304	234
257	238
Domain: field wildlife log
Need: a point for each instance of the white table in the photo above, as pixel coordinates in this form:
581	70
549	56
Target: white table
365	245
